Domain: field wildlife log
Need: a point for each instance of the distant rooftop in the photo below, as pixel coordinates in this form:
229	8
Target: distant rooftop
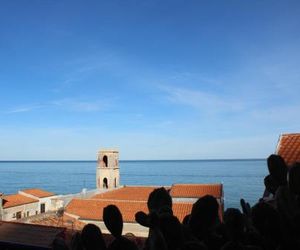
40	193
131	199
134	193
289	147
196	190
91	209
19	199
16	200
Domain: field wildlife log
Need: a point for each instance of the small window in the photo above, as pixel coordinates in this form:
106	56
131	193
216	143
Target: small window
27	213
43	208
19	215
36	212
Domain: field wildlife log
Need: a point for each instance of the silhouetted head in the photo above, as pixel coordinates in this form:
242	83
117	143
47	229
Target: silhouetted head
91	238
294	178
113	220
159	200
277	168
234	223
271	184
204	214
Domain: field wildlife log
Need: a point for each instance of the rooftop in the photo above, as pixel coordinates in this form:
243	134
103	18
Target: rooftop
16	200
289	147
40	193
133	193
127	208
196	190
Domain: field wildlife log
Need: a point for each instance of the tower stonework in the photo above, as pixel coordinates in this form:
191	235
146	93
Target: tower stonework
108	172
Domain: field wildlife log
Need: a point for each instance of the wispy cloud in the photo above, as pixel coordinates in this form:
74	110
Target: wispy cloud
80	105
65	104
24	109
201	100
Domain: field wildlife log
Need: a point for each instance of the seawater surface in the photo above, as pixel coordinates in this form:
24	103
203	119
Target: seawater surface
241	178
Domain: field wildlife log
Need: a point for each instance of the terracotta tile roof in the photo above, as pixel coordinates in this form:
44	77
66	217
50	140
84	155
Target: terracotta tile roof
38	192
289	147
20	234
133	193
196	190
92	209
16	200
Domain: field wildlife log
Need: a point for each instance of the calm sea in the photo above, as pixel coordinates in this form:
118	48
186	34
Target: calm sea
241	178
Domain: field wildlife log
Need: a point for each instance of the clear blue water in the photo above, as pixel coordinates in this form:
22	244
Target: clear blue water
241	178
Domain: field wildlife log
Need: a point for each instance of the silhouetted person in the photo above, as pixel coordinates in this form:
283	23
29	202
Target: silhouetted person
266	220
159	201
113	220
203	221
91	238
234	224
277	175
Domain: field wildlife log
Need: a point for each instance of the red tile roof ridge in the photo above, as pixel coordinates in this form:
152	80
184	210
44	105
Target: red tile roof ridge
197	184
97	199
38	192
147	186
14	200
290	134
127	201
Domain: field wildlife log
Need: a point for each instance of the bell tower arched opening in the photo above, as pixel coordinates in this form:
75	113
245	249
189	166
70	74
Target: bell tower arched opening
105	161
105	183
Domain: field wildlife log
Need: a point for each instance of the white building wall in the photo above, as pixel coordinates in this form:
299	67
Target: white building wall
10	214
49	205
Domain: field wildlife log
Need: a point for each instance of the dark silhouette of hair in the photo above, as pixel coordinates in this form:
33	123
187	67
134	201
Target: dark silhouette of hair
204	213
91	237
159	200
113	220
277	168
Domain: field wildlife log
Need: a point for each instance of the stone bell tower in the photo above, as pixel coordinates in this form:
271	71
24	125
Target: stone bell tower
108	172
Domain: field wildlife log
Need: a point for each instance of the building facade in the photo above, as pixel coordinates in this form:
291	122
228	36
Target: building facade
26	203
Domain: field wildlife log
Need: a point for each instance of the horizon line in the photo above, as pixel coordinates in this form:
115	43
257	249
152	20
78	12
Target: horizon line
209	159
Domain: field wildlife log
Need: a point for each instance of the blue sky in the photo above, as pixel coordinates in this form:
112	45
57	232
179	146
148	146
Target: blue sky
155	79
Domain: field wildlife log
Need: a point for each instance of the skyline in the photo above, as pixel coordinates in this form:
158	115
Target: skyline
155	79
